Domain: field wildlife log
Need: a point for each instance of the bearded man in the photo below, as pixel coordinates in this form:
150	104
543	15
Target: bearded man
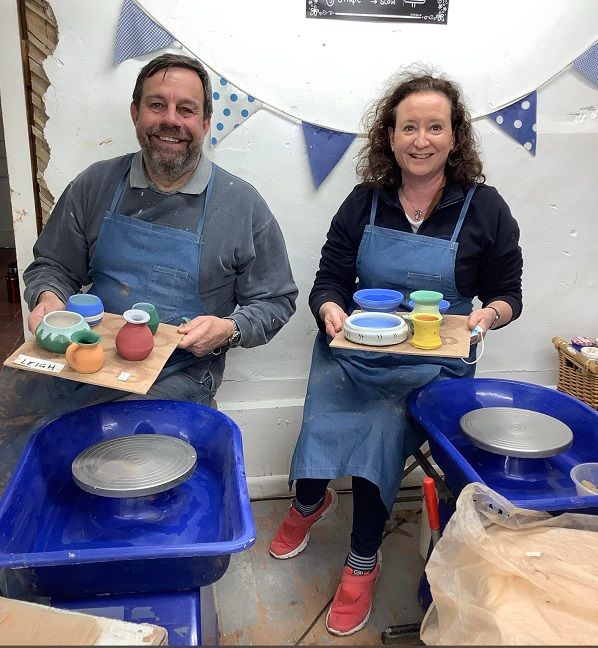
166	226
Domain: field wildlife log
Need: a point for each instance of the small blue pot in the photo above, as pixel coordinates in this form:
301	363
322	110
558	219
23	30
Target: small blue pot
90	307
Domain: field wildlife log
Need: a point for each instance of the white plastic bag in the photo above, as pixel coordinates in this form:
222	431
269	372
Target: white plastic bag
501	575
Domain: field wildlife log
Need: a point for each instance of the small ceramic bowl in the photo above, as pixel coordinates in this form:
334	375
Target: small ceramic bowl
378	300
55	330
375	329
585	478
90	307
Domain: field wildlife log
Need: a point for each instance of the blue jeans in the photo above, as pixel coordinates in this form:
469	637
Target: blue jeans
28	400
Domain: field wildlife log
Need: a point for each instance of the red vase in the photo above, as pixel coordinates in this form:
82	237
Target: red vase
134	341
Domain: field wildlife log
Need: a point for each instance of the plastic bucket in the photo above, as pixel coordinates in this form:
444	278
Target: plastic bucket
585	472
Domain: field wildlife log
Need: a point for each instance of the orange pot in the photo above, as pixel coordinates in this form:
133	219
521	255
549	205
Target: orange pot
85	355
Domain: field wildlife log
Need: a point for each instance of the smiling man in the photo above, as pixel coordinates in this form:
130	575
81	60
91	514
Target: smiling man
167	226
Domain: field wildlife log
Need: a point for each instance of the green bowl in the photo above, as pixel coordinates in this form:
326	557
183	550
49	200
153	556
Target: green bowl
55	330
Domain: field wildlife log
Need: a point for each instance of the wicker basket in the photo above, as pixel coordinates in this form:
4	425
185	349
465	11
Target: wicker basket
578	376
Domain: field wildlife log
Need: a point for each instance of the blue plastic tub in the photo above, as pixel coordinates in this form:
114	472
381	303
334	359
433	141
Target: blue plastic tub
62	541
189	617
539	484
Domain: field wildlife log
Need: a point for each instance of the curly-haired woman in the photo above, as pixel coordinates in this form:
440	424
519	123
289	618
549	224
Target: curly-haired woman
422	219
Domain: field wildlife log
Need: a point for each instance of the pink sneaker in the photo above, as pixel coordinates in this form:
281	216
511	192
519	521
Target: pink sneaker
352	603
293	533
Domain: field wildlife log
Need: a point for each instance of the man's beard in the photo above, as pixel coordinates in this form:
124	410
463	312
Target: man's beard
170	165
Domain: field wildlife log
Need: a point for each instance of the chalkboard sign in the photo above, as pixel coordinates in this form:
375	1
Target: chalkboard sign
425	11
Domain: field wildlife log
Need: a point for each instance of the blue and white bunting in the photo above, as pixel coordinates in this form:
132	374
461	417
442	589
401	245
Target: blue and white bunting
231	107
137	33
518	120
325	147
587	63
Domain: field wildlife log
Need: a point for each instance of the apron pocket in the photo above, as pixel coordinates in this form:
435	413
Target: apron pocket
423	281
166	291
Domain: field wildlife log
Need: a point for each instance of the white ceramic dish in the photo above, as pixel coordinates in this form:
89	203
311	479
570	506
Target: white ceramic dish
375	329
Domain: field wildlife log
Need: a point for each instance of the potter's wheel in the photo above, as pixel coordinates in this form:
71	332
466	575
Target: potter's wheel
515	432
133	466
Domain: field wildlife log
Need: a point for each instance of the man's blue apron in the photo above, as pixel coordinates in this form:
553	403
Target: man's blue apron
136	261
355	415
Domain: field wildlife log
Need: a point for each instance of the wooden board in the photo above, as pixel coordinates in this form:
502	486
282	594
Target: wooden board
454	333
30	624
143	373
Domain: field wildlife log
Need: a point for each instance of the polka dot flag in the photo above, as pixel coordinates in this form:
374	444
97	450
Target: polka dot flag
231	107
519	121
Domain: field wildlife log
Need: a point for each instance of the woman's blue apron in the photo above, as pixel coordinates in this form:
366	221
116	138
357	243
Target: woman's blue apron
355	416
136	261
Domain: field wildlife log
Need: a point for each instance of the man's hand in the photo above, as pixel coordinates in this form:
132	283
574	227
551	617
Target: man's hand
205	333
47	302
333	317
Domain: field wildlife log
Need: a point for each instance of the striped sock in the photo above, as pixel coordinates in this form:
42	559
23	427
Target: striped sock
307	509
360	564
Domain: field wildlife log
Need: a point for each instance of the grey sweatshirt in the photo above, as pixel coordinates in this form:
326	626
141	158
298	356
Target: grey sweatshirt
244	266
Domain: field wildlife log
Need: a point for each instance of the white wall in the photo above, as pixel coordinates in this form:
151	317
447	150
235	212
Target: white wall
326	72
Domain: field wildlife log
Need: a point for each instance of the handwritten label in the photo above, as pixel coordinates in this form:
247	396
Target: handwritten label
38	364
426	11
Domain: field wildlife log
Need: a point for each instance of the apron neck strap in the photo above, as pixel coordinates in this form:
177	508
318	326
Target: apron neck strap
207	200
374	208
462	214
119	190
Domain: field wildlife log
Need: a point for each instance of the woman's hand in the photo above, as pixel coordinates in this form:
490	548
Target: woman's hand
484	318
333	317
47	302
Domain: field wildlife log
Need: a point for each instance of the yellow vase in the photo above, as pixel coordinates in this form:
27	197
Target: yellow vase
426	331
85	355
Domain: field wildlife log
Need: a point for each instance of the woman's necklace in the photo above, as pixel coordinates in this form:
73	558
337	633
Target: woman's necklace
417	213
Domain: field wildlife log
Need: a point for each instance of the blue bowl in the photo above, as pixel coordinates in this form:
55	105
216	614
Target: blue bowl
379	300
90	307
443	305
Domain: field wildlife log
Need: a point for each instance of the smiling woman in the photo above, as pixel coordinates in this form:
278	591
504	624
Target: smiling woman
422	219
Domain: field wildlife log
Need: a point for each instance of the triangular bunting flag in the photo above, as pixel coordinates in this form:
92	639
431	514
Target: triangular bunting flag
137	33
519	121
231	107
325	148
588	63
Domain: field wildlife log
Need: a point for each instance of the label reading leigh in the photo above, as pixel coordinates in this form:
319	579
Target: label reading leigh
38	364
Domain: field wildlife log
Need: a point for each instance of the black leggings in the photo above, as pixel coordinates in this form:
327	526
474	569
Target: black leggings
369	512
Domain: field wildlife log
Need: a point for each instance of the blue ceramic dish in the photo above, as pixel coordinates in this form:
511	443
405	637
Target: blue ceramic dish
379	300
90	307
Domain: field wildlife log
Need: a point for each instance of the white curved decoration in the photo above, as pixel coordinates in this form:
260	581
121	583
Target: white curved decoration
515	47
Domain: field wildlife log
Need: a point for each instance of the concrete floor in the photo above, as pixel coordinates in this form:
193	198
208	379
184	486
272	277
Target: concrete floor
263	601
